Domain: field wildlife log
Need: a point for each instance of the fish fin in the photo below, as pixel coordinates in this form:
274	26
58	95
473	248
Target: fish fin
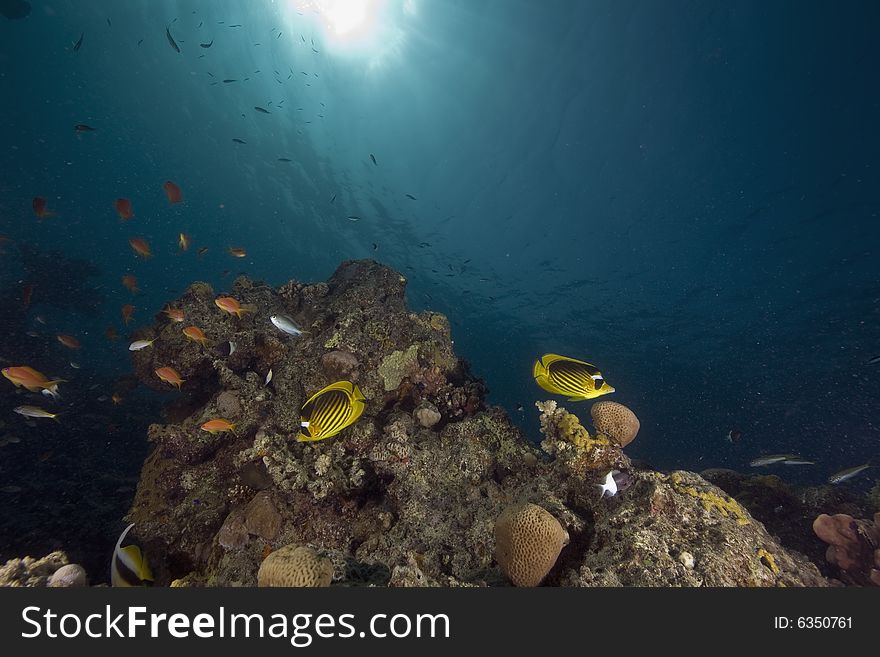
576	399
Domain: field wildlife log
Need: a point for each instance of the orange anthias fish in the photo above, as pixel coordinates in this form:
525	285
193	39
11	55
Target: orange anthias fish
68	341
218	425
237	252
183	241
169	375
123	207
174	314
110	331
28	377
140	247
173	192
231	306
131	283
41	208
195	334
127	311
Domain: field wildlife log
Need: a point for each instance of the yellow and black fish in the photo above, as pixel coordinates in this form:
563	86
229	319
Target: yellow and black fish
566	376
129	566
330	410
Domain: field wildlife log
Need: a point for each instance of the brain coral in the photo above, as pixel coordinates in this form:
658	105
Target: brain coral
295	566
616	421
527	542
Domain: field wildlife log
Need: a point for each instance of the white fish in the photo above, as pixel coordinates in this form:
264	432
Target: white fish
52	392
286	324
74	365
268	377
610	486
137	345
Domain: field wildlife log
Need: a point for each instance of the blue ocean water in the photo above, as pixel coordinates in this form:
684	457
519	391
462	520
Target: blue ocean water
682	193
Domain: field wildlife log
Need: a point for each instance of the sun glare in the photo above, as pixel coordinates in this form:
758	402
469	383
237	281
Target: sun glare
369	31
345	16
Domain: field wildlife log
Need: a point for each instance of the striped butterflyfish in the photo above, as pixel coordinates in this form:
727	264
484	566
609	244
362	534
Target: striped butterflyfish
330	410
566	376
129	566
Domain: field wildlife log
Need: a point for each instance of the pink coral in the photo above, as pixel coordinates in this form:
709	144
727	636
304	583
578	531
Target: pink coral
853	546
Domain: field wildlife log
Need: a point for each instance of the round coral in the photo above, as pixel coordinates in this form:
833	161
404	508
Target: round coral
615	421
528	541
295	566
70	575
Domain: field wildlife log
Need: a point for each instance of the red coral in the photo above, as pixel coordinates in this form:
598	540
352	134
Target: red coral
853	546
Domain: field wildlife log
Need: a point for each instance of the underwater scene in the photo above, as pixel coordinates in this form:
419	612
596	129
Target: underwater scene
439	293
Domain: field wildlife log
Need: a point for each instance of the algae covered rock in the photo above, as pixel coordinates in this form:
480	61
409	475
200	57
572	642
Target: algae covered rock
398	365
427	415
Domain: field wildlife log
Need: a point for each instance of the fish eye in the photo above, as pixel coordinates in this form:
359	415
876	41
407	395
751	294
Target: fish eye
598	383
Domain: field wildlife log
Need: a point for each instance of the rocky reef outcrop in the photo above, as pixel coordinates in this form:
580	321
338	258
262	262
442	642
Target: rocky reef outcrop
54	570
411	493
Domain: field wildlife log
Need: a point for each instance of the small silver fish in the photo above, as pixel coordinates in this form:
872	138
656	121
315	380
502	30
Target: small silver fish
35	411
11	489
74	365
137	345
286	324
770	459
798	462
268	377
849	473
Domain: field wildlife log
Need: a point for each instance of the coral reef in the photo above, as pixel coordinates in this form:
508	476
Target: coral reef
853	546
528	541
574	448
32	572
71	575
788	511
411	493
616	421
294	565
